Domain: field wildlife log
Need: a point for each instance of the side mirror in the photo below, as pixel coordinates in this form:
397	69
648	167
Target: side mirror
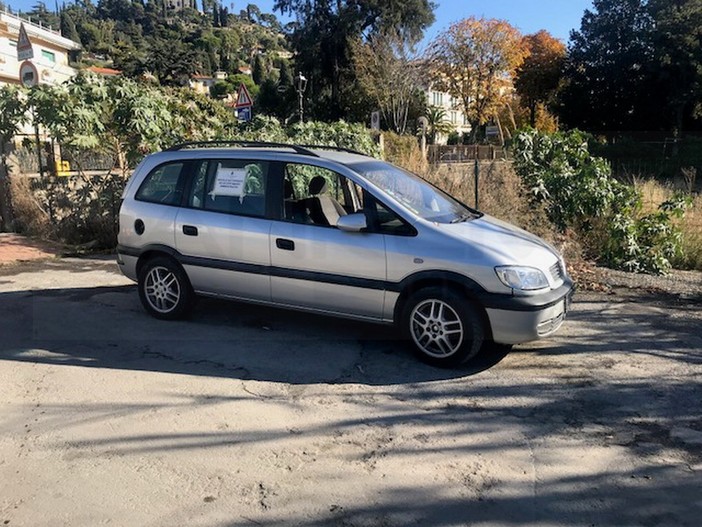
355	222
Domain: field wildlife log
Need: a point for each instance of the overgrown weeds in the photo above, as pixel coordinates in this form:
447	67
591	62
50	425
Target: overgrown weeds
654	192
75	210
580	193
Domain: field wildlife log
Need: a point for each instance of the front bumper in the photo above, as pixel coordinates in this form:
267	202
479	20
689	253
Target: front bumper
530	318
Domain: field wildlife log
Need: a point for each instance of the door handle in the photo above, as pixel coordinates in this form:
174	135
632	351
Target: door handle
286	245
189	230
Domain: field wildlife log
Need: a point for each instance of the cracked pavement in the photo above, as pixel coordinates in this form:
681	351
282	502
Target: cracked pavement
246	415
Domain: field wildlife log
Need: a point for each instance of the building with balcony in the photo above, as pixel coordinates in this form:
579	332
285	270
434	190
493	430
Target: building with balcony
452	107
53	54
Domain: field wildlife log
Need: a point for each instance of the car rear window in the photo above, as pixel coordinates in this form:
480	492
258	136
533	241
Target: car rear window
162	185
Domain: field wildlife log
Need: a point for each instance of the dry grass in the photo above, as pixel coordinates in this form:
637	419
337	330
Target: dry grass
75	211
30	217
653	193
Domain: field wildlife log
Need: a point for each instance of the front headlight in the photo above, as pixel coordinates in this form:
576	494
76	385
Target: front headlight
523	278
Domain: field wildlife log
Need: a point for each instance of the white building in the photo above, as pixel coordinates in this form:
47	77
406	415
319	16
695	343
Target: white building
202	83
51	51
179	5
452	107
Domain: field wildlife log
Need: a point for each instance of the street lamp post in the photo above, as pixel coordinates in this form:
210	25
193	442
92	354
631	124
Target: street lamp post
301	86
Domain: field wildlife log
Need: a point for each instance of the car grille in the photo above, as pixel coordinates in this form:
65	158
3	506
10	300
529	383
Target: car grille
556	272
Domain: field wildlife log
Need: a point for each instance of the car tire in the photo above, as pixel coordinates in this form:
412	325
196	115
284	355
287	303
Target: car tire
164	289
445	329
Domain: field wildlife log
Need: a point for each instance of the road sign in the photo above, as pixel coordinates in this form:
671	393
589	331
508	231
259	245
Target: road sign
28	74
243	99
244	113
375	120
24	46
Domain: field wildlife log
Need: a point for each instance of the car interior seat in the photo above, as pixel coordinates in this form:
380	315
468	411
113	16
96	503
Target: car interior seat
322	208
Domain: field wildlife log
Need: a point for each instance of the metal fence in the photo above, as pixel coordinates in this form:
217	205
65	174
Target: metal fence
61	161
88	160
463	153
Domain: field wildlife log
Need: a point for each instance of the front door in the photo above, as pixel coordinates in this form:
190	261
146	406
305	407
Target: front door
314	264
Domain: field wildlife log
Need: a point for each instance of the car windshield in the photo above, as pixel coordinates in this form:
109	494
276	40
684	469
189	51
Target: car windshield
417	195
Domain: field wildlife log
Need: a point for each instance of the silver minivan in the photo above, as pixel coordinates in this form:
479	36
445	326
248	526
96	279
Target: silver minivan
331	231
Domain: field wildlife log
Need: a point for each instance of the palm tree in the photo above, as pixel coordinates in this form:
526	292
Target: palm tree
437	123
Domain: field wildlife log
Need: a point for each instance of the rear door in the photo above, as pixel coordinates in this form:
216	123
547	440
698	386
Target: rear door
149	218
222	231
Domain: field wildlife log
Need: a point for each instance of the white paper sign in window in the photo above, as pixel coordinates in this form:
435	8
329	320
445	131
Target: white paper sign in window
229	182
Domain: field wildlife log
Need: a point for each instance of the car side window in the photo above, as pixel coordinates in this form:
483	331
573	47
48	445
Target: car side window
316	195
162	185
384	220
232	186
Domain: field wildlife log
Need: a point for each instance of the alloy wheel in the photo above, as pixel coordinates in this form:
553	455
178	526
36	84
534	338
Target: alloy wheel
436	328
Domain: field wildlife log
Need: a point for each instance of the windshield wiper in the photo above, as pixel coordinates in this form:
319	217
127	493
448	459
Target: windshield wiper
462	218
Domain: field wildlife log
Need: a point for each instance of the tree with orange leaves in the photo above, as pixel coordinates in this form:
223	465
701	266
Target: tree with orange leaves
474	61
539	75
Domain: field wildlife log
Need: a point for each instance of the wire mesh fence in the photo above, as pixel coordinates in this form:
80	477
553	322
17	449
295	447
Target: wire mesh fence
46	157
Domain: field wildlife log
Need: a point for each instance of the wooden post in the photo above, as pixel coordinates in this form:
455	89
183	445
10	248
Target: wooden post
38	145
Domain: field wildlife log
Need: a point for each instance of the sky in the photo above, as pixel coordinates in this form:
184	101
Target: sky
558	17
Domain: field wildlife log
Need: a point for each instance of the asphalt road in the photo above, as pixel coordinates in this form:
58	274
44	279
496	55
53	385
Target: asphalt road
251	416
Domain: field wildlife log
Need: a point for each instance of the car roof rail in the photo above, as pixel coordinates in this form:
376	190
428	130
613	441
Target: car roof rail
337	148
242	144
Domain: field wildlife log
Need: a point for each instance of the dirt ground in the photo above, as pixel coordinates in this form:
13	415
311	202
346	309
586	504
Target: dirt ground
16	249
253	416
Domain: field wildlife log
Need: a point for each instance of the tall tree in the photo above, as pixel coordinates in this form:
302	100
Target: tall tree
475	61
12	113
252	13
259	70
68	27
172	62
677	42
41	14
540	74
387	72
609	81
322	38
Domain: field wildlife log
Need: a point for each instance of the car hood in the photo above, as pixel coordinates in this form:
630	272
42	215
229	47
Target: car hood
503	243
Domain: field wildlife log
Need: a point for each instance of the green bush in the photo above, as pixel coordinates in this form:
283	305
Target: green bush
454	138
398	147
341	134
647	243
580	193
